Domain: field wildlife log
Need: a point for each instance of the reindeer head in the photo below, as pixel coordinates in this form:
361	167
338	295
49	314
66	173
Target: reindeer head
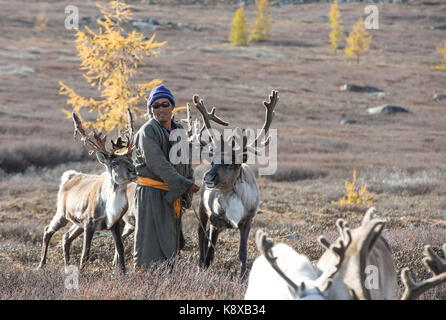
227	162
119	164
222	176
119	167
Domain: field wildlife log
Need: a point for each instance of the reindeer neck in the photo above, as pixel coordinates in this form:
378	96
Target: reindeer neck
115	196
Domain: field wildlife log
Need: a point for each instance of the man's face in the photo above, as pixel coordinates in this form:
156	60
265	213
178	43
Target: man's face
160	112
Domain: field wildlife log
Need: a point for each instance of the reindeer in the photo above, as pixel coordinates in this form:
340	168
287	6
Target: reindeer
282	273
368	250
94	202
230	198
343	268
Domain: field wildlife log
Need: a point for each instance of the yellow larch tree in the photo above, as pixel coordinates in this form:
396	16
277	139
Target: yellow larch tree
110	58
442	48
358	41
239	32
40	21
353	195
263	24
336	33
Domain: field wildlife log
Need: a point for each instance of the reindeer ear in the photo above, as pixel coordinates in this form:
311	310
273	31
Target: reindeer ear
103	158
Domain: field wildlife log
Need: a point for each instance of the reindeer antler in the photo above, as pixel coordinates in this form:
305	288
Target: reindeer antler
269	115
339	247
207	116
129	136
432	262
193	131
98	145
265	245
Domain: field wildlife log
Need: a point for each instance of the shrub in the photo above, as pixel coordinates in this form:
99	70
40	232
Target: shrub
263	24
40	21
239	33
442	48
353	195
358	41
336	34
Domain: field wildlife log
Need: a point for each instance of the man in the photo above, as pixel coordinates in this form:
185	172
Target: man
163	188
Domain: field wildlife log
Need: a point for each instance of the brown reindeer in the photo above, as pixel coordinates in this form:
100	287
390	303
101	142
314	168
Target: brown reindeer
94	202
369	250
230	198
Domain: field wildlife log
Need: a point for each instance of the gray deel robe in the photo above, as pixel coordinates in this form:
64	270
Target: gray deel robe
157	231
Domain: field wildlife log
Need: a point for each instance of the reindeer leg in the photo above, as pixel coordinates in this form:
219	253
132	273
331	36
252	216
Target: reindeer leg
243	250
182	239
128	230
56	223
74	232
116	233
213	236
202	241
121	226
88	236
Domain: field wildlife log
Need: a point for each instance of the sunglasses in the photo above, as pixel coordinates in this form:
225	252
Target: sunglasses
164	104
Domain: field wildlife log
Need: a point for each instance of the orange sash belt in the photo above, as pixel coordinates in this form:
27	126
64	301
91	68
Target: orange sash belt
147	182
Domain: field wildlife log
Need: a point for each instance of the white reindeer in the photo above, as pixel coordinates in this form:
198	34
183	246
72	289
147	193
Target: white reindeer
281	273
94	202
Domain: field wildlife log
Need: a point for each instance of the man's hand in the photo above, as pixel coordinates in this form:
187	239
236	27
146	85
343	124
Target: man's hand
194	188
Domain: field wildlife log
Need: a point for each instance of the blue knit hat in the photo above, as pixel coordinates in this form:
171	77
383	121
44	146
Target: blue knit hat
158	93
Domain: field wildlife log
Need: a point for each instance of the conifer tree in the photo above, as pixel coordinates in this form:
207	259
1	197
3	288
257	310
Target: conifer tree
110	59
336	33
239	33
358	41
263	24
353	195
442	48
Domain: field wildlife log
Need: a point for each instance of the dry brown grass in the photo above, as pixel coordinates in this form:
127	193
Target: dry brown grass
296	218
